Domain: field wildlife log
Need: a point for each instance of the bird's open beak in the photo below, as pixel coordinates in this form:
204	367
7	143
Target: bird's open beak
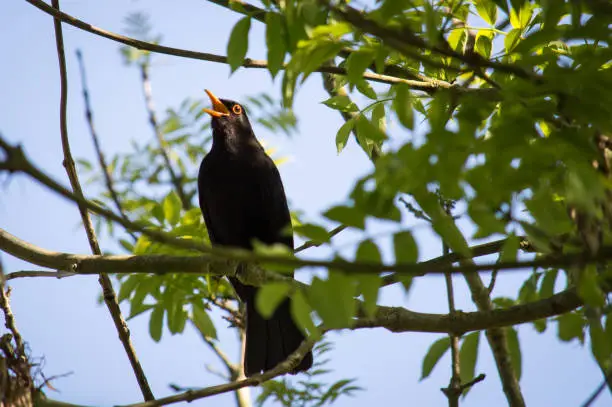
218	109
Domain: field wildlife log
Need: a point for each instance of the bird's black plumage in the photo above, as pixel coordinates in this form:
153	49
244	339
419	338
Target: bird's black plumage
242	198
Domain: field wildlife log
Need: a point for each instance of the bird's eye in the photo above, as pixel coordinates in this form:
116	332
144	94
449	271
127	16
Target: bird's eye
237	109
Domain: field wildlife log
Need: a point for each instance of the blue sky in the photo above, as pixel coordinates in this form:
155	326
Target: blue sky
61	319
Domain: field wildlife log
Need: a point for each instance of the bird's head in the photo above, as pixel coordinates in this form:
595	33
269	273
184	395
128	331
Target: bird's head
228	118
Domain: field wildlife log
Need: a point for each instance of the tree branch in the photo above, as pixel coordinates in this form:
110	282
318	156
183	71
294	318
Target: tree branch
408	43
312	243
163	146
108	180
453	391
255	380
394	319
110	297
16	161
426	86
497	340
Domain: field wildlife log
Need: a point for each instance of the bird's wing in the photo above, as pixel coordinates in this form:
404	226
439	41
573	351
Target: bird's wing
269	213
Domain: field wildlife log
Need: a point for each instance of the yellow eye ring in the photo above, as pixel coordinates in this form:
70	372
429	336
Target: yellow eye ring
237	109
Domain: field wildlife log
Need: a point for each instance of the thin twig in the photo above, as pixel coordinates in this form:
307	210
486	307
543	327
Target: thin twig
472	382
163	145
108	180
110	297
255	380
599	389
453	391
38	273
312	243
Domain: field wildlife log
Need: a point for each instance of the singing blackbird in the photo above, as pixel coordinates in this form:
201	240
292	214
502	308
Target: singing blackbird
242	198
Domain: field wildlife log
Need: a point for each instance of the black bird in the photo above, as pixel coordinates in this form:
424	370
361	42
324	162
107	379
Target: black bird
242	198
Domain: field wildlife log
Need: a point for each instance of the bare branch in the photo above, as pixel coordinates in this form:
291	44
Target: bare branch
255	380
453	391
312	243
599	389
38	273
108	180
163	145
110	297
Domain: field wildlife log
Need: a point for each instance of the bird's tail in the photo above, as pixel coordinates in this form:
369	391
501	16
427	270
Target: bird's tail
270	341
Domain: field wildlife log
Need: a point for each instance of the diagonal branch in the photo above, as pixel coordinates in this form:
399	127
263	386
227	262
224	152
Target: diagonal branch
108	180
255	380
163	146
497	340
110	297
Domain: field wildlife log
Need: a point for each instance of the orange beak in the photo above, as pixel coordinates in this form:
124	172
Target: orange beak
218	109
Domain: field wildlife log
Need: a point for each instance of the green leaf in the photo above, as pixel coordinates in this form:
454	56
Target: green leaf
547	287
510	248
368	283
442	223
512	39
589	289
172	208
456	39
177	317
528	291
288	88
570	326
342	103
370	132
406	251
269	296
468	356
347	215
128	286
333	299
201	320
600	346
487	11
313	232
343	134
402	104
550	216
514	349
357	63
378	116
300	310
275	41
433	356
156	323
483	45
238	43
